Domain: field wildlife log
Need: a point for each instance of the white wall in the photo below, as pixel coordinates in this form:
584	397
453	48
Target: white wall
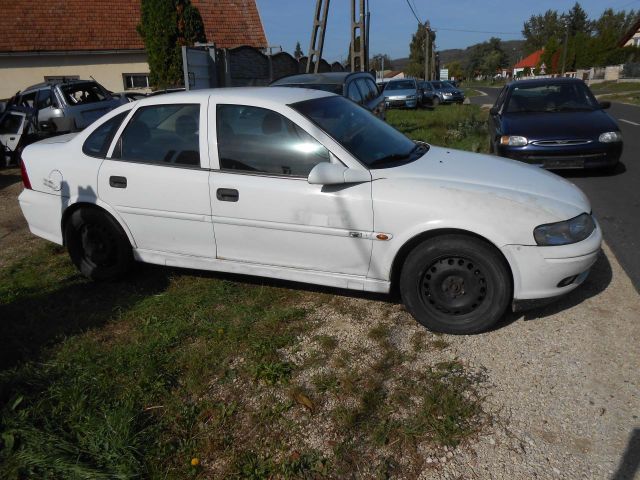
19	72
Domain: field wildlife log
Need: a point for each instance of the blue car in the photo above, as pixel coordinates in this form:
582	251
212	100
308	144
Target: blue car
555	123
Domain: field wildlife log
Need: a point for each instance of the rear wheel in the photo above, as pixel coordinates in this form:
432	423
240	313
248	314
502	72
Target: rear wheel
97	245
455	284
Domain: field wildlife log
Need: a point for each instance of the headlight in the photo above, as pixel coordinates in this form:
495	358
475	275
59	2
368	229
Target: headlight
610	137
447	94
410	97
513	140
563	233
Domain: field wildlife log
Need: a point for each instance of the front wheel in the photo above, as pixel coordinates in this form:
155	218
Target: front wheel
97	245
456	284
435	102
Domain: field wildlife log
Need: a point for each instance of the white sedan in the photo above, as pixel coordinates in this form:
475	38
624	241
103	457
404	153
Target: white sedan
303	185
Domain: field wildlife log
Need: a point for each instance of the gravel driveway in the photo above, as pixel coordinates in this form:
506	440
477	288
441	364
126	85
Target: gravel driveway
563	383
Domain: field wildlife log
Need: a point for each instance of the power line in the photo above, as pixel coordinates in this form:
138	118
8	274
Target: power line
476	31
414	12
416	8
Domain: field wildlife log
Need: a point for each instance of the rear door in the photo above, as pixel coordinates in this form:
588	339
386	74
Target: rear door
156	177
12	126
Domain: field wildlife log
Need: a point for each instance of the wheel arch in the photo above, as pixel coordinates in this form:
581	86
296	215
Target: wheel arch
96	206
413	242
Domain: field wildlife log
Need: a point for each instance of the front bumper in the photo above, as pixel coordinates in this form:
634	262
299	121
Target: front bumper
401	103
452	99
593	155
539	272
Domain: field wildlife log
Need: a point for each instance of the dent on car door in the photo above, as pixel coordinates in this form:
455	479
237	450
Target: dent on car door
157	181
265	211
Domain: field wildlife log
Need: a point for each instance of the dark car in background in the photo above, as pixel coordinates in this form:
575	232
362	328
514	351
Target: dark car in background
401	93
554	123
436	92
357	86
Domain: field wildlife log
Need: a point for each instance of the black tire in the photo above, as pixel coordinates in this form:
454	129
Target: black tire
97	245
435	102
456	284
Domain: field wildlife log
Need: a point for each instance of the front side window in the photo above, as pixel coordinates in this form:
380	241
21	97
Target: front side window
257	140
162	134
10	123
44	98
97	144
371	140
367	93
353	93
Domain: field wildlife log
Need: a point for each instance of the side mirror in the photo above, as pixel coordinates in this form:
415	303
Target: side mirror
334	174
604	105
494	111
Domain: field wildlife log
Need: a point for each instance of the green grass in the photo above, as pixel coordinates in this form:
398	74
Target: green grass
134	379
456	126
614	87
633	98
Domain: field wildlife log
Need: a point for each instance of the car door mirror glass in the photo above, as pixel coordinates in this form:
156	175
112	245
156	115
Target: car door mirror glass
494	111
605	104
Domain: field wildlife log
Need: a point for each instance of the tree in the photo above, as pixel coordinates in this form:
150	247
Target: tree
165	26
455	70
486	58
540	28
417	51
577	21
380	59
298	54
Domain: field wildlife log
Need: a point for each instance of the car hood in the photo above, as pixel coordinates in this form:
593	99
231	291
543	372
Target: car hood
500	178
558	125
399	93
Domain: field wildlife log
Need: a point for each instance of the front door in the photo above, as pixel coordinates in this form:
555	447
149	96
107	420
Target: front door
265	211
156	182
12	125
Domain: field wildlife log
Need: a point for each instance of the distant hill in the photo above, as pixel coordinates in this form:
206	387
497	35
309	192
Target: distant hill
513	48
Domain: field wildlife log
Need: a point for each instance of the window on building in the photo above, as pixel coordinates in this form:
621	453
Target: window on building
135	80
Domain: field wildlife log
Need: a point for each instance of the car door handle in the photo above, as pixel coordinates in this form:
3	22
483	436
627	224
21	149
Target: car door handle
118	182
227	195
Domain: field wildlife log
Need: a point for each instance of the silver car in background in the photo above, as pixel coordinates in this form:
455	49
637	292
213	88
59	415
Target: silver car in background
401	93
66	105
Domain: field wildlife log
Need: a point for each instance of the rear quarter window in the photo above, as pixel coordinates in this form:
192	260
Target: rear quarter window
97	144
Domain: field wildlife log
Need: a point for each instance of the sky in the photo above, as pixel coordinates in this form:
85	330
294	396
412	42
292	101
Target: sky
393	24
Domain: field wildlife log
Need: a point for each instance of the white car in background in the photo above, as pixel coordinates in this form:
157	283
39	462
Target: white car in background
304	185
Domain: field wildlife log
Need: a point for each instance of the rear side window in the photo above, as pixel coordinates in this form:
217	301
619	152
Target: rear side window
162	134
97	144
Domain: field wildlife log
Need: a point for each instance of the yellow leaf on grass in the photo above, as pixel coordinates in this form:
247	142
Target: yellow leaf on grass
303	400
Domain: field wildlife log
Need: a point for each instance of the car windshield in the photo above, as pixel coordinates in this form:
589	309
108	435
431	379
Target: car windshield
325	87
83	93
438	85
447	85
403	85
372	141
551	97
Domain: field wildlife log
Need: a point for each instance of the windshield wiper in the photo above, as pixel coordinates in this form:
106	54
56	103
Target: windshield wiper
398	157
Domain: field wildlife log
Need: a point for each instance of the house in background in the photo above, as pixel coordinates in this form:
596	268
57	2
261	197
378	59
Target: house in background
632	37
51	39
531	62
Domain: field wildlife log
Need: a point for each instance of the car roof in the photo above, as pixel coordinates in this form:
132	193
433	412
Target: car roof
53	83
544	81
336	78
277	95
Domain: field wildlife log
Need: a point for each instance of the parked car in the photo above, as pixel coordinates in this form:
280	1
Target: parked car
304	185
359	87
65	106
401	93
554	123
437	92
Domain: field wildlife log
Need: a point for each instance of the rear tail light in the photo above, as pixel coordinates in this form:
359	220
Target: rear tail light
25	177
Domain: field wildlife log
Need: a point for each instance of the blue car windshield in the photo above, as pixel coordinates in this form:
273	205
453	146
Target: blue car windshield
372	141
551	97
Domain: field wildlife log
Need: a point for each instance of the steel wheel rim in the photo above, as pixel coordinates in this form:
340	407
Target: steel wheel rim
453	286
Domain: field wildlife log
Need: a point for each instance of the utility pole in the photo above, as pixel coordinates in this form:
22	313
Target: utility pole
358	25
564	50
319	27
427	54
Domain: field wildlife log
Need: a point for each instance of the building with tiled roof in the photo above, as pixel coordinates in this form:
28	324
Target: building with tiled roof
48	39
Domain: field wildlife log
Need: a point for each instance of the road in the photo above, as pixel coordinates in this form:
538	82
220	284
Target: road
615	198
